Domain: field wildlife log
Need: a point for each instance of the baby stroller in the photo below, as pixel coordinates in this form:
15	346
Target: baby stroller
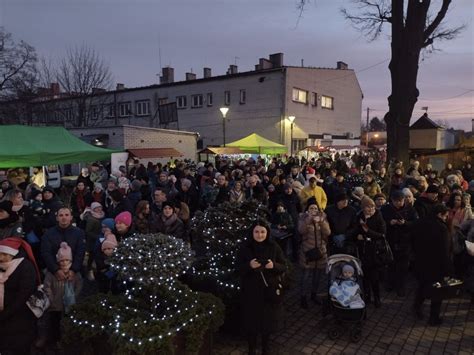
344	316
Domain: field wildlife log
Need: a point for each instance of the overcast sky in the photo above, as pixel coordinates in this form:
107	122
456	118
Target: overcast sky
194	34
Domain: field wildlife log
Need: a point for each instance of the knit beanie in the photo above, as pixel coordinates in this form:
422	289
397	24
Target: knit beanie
136	185
348	268
94	205
109	223
99	186
35	193
125	218
109	242
186	182
367	202
64	252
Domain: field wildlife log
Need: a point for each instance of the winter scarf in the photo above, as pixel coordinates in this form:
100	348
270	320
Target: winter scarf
169	221
88	211
9	268
80	201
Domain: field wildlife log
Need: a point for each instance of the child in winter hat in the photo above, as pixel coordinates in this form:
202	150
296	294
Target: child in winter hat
105	276
62	292
124	218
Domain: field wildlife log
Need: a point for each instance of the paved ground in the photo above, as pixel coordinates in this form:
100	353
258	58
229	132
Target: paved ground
391	329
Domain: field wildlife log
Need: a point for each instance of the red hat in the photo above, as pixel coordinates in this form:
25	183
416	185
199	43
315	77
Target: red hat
310	170
12	245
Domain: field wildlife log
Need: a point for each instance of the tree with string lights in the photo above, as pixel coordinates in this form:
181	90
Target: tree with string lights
155	308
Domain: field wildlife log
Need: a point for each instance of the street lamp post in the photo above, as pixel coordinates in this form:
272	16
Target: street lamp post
292	120
224	111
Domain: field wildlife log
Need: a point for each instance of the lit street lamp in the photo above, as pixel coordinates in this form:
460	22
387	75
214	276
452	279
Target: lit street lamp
292	120
224	111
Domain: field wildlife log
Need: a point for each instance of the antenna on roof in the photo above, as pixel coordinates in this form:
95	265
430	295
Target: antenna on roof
235	60
159	57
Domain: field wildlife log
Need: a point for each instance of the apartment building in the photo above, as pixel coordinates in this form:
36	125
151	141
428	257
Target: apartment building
325	102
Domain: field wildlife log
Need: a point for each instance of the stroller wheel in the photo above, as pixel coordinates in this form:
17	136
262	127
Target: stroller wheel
356	335
334	333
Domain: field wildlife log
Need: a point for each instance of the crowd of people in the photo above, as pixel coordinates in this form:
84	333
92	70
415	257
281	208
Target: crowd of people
318	207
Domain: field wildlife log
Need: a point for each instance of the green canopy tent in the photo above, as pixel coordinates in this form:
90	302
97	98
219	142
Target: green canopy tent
254	143
22	146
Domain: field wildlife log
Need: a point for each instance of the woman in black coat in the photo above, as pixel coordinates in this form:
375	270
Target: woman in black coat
370	227
169	223
432	245
260	262
19	278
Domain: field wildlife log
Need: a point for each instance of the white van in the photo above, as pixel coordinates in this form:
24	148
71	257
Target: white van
49	175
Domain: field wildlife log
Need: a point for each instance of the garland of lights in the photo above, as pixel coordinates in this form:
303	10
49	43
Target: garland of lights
155	306
221	230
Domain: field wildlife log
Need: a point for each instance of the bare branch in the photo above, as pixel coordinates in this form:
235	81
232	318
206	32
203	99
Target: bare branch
371	18
442	34
430	29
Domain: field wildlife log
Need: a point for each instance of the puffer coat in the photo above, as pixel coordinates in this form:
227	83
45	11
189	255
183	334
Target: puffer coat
313	235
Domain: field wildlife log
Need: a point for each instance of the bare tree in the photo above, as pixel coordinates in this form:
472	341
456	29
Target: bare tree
17	65
413	29
80	73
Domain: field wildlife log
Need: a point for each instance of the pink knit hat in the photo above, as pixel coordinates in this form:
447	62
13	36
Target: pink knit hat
125	218
109	242
64	252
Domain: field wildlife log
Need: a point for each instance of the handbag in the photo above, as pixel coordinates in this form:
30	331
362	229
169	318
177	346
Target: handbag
273	292
445	289
383	252
38	302
314	254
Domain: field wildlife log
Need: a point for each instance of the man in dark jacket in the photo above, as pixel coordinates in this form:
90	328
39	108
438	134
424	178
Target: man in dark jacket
63	232
432	245
338	187
10	224
342	219
427	200
399	218
52	204
293	206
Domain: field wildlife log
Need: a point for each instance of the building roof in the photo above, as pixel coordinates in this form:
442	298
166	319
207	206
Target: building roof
155	153
424	122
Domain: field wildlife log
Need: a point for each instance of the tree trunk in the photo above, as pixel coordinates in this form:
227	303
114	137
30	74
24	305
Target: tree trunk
407	42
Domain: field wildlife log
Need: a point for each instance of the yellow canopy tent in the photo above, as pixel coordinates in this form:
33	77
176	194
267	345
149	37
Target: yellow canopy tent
257	144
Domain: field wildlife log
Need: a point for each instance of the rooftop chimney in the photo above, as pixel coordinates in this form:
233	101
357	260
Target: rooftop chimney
277	60
342	65
190	76
120	86
168	75
207	72
264	63
232	69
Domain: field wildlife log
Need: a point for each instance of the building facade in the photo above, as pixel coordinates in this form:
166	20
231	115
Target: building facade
326	104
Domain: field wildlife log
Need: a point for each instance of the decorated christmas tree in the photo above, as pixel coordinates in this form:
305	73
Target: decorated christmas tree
155	308
217	235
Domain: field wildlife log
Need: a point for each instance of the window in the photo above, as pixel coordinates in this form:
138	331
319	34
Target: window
227	98
314	99
110	111
196	100
142	108
181	101
209	99
162	101
300	96
327	102
68	114
94	112
125	109
243	96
